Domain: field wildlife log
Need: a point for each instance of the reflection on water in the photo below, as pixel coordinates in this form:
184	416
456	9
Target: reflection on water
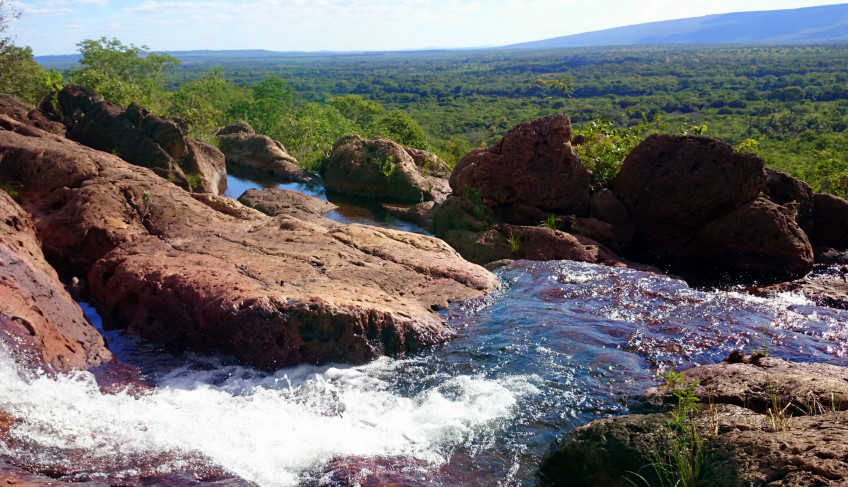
561	344
350	210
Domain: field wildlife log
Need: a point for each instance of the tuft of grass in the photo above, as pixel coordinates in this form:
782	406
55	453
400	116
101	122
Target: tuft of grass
514	243
12	188
195	181
550	222
777	415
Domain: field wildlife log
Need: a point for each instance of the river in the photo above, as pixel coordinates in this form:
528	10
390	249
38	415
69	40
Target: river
561	344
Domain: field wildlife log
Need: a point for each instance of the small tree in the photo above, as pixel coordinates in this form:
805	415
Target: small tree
123	73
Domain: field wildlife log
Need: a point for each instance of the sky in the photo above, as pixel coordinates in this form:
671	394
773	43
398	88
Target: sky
56	26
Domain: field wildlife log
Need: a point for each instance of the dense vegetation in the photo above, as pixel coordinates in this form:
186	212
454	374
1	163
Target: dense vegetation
787	103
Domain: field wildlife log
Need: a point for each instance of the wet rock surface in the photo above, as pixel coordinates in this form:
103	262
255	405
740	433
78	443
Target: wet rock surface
763	421
39	320
244	147
272	292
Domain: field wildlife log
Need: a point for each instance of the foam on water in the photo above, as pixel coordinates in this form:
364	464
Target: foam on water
268	428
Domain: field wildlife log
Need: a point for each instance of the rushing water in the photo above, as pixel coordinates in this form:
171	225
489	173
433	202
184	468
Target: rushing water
561	344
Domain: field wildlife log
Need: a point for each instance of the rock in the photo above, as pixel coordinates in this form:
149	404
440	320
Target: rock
141	138
421	214
672	186
380	169
533	165
272	292
759	238
829	256
784	190
822	290
273	202
26	116
39	320
830	226
742	444
228	206
428	163
245	148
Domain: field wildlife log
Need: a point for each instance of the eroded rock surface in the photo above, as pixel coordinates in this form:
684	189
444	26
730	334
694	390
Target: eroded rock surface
275	201
39	320
270	291
141	138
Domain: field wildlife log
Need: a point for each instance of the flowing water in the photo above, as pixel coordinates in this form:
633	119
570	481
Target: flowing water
561	344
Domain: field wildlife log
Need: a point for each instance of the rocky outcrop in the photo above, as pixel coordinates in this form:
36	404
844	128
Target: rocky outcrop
141	138
672	186
245	148
27	116
696	207
39	320
761	422
384	170
269	291
824	290
533	166
274	201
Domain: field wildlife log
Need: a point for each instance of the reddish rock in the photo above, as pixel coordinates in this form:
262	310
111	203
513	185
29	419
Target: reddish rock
141	138
543	243
792	193
382	169
759	237
26	116
533	165
245	148
271	291
672	186
38	318
830	226
741	445
274	201
421	214
822	290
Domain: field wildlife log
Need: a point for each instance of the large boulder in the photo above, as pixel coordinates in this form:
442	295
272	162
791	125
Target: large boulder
672	186
534	165
760	422
141	138
245	148
382	169
39	320
271	291
830	226
760	238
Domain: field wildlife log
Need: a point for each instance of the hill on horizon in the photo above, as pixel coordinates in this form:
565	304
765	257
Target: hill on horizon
823	24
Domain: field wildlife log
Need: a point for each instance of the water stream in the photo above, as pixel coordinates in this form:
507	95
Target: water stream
561	344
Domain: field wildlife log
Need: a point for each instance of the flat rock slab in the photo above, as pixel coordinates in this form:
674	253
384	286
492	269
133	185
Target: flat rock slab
272	292
275	201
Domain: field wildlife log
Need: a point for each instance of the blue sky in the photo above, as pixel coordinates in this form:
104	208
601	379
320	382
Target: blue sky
56	26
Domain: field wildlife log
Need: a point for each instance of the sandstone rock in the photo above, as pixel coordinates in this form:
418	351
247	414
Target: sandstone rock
272	291
243	147
141	138
24	115
381	169
829	256
534	165
38	319
273	202
784	190
741	445
672	186
759	237
830	227
428	163
229	206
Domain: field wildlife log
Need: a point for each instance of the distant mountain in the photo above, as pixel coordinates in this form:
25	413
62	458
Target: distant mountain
828	23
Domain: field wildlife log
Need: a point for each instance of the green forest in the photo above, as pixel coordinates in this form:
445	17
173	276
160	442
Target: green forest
788	104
